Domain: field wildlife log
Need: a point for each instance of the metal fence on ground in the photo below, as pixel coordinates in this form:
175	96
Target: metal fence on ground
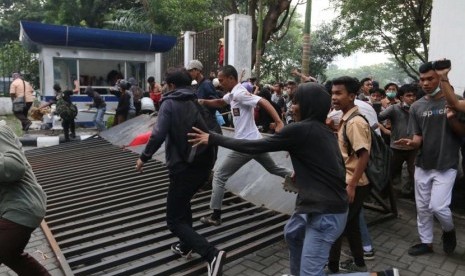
205	49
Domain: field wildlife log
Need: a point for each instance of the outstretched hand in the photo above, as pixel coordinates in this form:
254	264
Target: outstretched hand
404	142
198	137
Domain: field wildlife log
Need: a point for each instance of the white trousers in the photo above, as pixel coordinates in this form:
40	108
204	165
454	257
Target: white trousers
433	193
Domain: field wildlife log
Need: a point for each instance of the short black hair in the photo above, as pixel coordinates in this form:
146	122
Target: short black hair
265	93
389	84
406	88
425	67
377	90
280	84
229	70
151	79
178	76
56	87
351	84
364	80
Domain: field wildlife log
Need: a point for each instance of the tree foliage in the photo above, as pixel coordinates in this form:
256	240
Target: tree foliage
174	16
12	11
23	61
87	13
384	73
285	54
399	27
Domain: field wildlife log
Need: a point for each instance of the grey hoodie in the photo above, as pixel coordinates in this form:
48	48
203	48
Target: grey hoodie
22	200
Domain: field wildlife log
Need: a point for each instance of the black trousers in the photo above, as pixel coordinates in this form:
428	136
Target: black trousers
352	229
397	160
182	188
22	116
67	126
13	240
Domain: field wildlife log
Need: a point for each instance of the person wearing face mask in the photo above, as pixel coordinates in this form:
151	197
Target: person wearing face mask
398	114
390	90
437	131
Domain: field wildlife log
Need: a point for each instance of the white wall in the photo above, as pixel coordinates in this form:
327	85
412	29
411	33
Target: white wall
447	38
239	43
5	106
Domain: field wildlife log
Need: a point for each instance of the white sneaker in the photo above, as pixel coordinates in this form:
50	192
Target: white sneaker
215	267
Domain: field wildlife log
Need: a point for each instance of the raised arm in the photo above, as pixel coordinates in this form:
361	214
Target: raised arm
448	91
214	103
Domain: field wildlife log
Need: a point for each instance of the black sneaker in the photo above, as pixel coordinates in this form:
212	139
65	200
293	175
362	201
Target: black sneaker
449	241
367	255
215	267
210	221
350	266
176	248
420	249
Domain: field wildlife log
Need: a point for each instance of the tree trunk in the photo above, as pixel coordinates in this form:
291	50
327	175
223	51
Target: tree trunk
306	39
258	53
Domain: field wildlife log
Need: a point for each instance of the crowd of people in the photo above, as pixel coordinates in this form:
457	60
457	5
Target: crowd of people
329	145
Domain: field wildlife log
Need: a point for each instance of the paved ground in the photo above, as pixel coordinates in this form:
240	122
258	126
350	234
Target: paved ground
391	240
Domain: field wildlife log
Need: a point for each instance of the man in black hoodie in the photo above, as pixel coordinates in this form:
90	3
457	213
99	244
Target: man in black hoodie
321	206
189	168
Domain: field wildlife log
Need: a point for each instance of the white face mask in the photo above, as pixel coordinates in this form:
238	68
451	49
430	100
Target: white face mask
436	91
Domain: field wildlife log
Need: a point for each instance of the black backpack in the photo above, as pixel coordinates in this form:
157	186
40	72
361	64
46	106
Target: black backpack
378	169
204	122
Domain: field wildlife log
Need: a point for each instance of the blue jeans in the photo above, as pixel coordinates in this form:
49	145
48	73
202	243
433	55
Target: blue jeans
98	118
310	237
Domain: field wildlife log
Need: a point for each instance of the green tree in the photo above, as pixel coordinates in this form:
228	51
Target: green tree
285	53
12	11
15	58
169	17
399	27
87	13
384	73
174	16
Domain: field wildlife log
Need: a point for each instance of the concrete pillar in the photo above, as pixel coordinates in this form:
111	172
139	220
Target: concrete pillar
155	68
189	45
238	43
447	38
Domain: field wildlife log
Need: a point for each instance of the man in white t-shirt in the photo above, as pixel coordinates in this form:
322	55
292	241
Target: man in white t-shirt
242	106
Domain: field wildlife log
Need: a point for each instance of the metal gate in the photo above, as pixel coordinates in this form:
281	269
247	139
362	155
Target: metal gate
205	49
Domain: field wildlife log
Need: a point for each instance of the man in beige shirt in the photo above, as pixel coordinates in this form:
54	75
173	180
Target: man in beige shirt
355	156
22	88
